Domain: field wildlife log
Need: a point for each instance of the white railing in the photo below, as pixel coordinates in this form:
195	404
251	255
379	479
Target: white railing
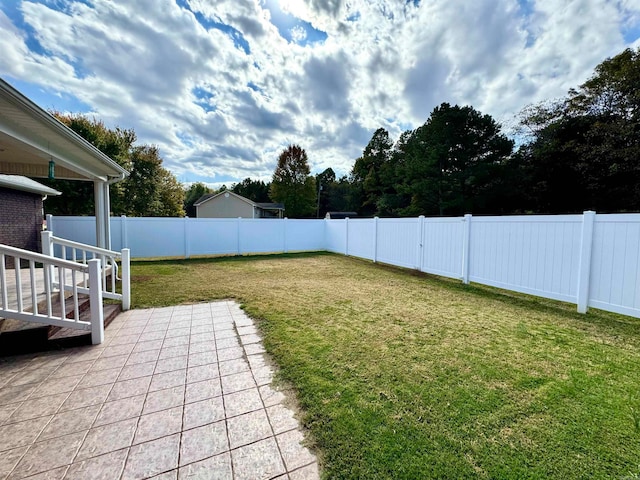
28	294
82	253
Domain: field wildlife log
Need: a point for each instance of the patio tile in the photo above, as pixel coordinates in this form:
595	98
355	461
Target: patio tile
118	410
108	363
230	353
214	468
103	467
270	396
242	402
257	361
151	458
38	407
129	388
203	442
204	337
310	472
263	375
22	433
201	347
152	335
117	350
163	399
220	334
229	367
201	413
294	453
170	364
175	341
248	428
125	339
178	351
202	358
16	394
254	348
260	460
137	370
53	474
227	342
9	459
250	339
70	422
32	376
171	475
203	328
72	369
56	385
225	324
86	354
149	345
102	377
107	438
47	455
7	410
282	418
250	330
86	396
158	424
203	390
237	381
203	372
143	357
178	332
165	380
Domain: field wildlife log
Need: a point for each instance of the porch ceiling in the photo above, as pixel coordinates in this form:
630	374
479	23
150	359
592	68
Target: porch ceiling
30	137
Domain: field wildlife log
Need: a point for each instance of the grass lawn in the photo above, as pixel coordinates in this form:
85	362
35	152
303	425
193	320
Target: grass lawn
404	375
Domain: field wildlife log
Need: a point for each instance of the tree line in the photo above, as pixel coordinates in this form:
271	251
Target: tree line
569	155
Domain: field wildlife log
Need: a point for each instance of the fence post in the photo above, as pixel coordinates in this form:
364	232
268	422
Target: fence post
49	222
284	235
124	235
95	301
186	237
419	246
584	266
126	278
375	239
238	234
346	237
466	243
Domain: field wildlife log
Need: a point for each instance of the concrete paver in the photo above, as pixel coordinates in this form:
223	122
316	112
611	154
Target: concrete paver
172	393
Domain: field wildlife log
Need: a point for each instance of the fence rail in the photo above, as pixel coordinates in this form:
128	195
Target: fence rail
590	260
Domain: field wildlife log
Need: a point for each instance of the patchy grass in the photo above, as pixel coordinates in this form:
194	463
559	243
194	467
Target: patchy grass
403	375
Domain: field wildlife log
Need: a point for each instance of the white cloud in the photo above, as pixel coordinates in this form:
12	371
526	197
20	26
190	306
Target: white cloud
221	92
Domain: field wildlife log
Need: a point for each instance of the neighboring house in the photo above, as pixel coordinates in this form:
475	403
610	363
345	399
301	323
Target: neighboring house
21	215
231	205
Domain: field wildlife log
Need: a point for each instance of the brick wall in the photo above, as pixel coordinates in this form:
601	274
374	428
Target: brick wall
20	219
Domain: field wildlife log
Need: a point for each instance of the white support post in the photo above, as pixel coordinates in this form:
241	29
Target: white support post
126	278
49	222
419	243
584	267
107	216
98	194
95	301
47	249
238	234
123	231
375	239
346	237
466	243
284	235
187	254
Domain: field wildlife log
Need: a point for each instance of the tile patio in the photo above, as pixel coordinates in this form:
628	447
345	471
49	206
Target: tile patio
173	393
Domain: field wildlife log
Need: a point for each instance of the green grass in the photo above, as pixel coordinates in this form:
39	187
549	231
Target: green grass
403	375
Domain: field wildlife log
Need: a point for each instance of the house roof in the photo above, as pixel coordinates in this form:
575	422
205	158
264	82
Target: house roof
264	206
18	182
30	137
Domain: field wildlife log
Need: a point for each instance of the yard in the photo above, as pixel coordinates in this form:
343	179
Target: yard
404	375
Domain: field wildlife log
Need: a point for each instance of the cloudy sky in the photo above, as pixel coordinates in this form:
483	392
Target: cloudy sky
222	86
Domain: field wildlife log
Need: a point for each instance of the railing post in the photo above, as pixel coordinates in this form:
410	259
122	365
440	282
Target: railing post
50	222
420	246
584	266
375	239
466	239
95	301
126	278
47	249
346	237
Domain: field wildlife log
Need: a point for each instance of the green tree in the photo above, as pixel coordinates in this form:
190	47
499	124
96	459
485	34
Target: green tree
191	196
292	183
255	190
453	162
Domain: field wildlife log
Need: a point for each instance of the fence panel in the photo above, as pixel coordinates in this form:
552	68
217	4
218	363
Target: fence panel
156	237
615	276
442	243
398	241
361	238
335	235
537	255
305	235
208	236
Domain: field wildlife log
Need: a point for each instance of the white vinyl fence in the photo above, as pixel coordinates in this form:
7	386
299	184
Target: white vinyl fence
590	260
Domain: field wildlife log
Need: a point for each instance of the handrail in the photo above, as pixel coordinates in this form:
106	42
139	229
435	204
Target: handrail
46	259
83	246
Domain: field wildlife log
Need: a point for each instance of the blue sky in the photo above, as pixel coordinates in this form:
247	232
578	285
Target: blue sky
222	87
